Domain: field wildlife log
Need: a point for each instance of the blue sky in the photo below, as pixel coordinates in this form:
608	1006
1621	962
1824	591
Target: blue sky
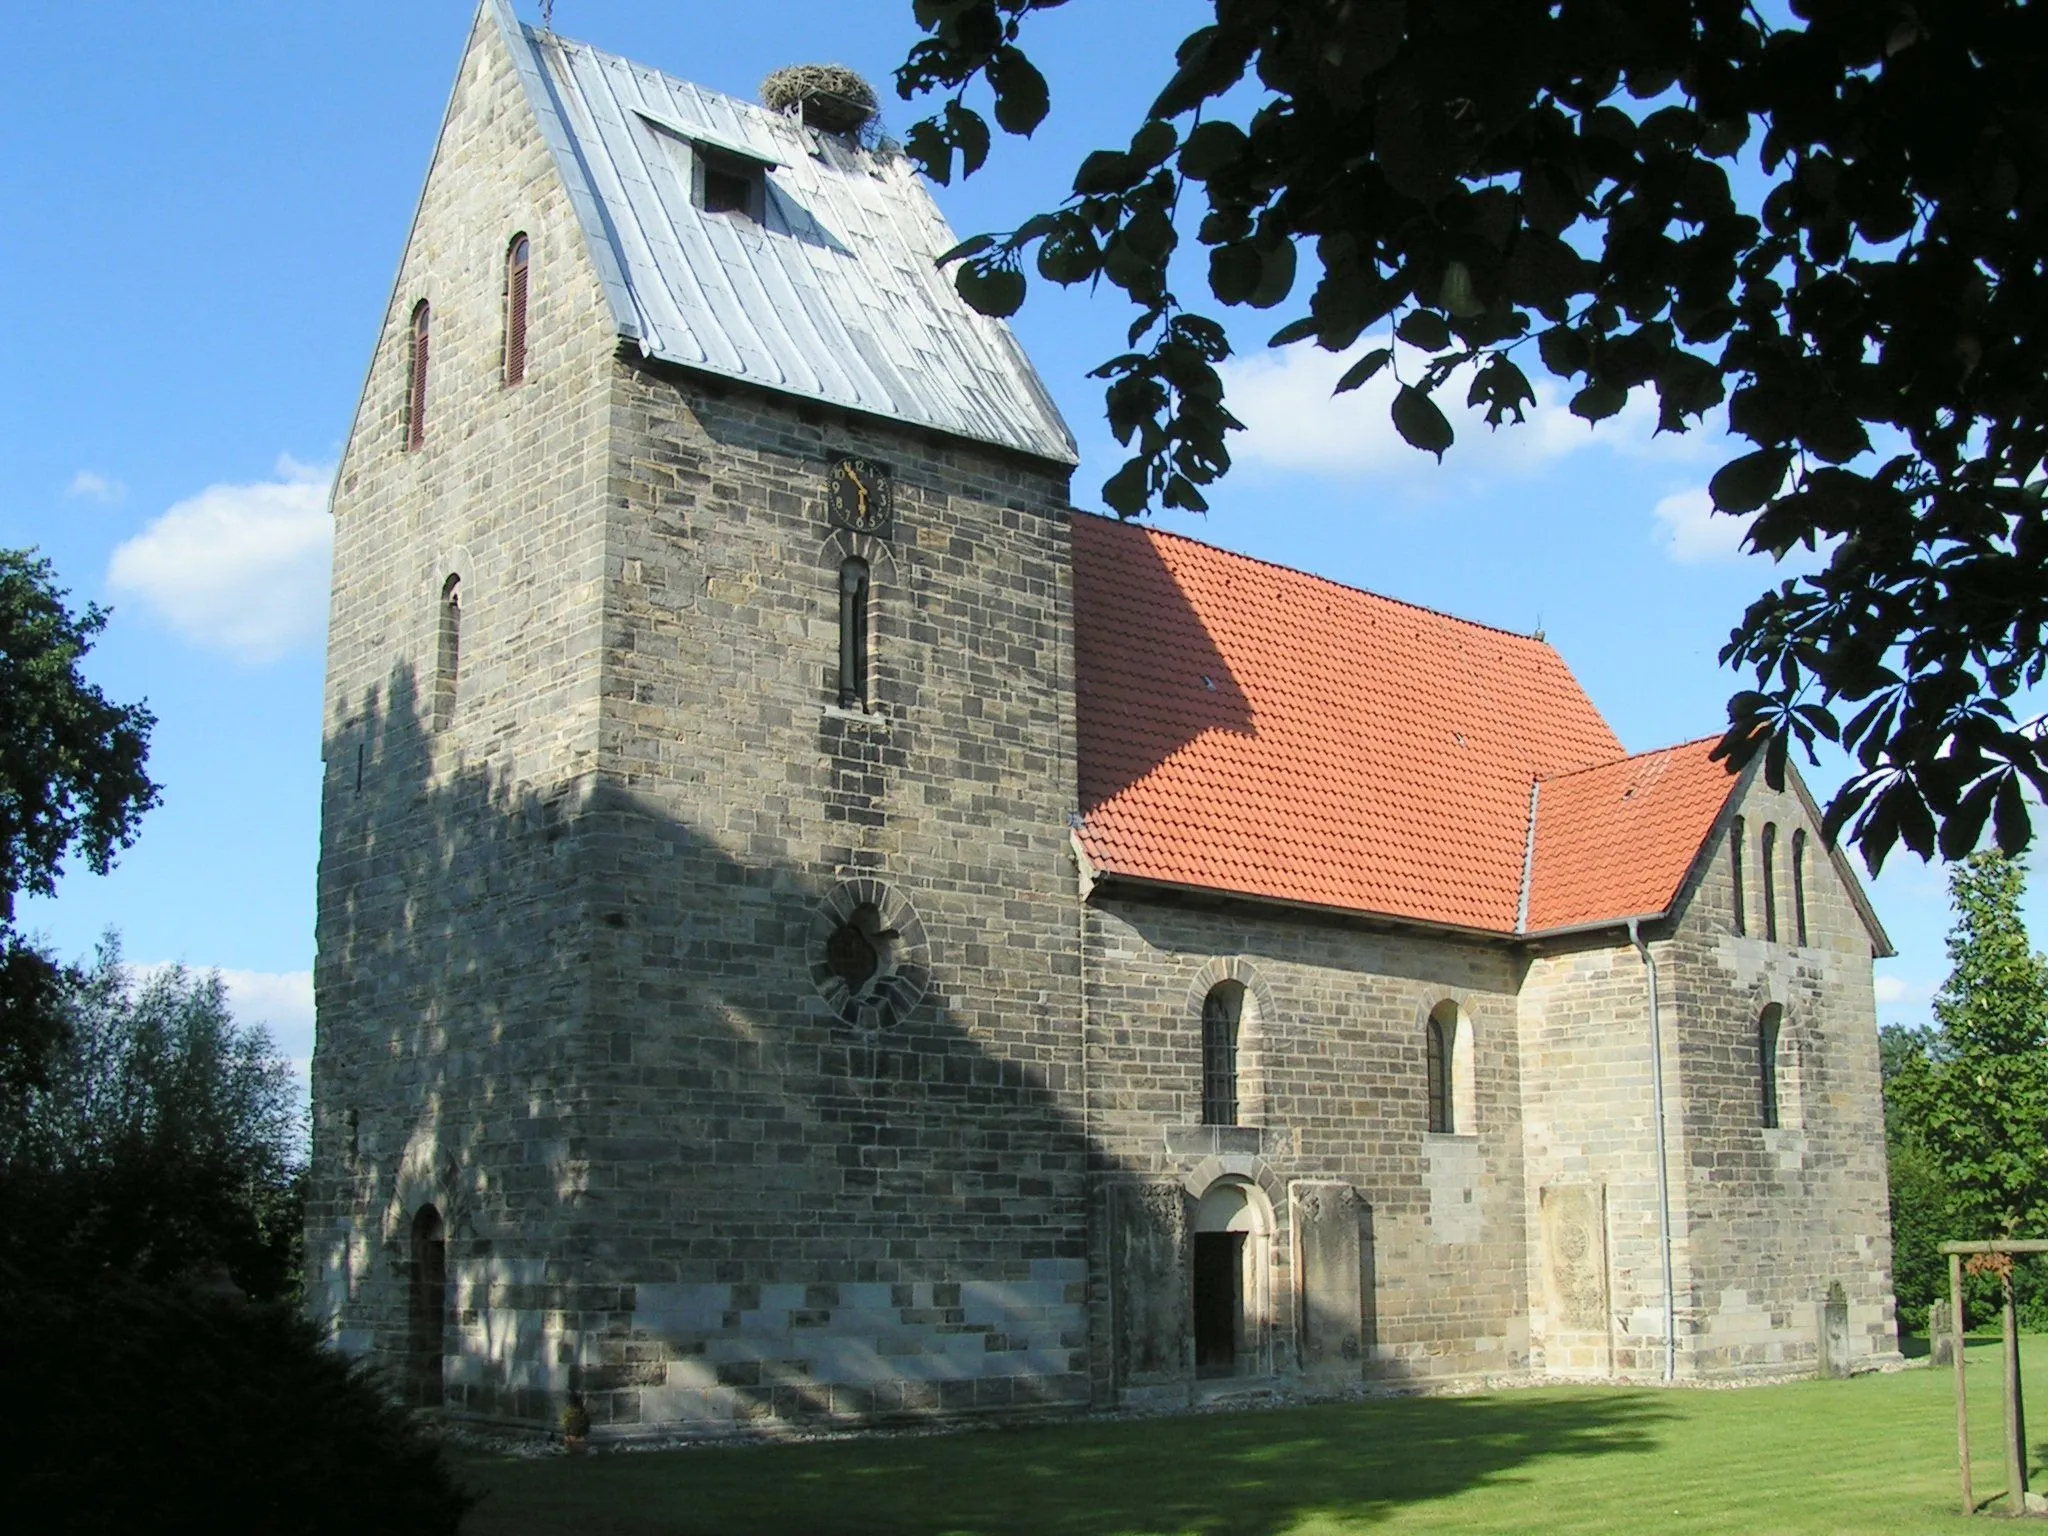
205	210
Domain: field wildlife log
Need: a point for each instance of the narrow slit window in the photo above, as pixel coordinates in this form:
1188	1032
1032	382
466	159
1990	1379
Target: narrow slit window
516	266
1768	867
1222	1011
1799	886
416	378
853	634
1735	836
1768	1031
448	650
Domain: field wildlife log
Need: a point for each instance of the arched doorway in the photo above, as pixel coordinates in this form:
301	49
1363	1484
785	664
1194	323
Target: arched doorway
1232	1255
427	1307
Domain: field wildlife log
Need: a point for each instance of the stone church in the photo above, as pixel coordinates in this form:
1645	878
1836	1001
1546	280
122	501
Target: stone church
815	927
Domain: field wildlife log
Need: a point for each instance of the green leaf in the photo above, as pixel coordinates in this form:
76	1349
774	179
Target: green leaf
973	245
996	291
1598	401
1022	98
1212	146
1420	423
1457	293
1363	369
1295	330
1742	485
1106	171
1424	328
2009	817
1276	273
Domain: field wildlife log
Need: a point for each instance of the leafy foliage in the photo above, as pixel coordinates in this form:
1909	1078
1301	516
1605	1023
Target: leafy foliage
165	1141
143	1407
1474	175
1966	1104
71	781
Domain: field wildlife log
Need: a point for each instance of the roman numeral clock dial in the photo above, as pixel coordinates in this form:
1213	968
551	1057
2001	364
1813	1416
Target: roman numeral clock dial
858	496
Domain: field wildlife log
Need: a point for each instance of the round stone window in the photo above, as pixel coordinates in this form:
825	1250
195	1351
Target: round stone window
868	957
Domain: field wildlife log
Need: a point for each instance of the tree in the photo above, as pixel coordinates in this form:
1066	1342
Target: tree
1469	176
166	1139
71	782
1983	1104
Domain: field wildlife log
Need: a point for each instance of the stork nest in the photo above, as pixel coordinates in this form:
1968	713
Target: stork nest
830	96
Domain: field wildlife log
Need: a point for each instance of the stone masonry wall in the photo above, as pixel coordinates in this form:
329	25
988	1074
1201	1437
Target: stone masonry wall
1333	1091
450	965
800	1215
1596	1284
1778	1216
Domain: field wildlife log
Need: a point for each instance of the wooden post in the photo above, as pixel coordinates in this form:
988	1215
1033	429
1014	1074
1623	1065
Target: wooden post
2015	1414
1955	1301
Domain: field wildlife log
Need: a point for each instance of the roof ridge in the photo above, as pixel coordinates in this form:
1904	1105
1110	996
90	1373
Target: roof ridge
1627	757
1328	581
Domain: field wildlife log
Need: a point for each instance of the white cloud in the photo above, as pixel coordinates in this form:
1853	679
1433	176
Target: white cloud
1695	534
1293	422
237	568
1899	993
282	1002
96	487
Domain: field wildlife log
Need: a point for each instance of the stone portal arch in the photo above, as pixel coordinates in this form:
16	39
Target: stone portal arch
1231	1279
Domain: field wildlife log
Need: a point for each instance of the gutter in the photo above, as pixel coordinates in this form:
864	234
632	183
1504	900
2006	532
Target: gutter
1635	937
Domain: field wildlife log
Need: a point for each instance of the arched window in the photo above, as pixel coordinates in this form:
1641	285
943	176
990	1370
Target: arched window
416	379
447	650
1439	1046
1222	1011
1735	836
853	634
1799	885
1447	1041
427	1307
1769	1027
1768	864
515	310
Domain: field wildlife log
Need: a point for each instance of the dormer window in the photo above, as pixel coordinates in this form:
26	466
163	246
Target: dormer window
729	184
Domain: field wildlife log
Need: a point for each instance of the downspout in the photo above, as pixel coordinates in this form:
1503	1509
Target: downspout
1635	937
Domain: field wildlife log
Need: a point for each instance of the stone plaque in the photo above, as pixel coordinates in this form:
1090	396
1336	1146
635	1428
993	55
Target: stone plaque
1328	1269
1148	1227
1833	1326
1574	1220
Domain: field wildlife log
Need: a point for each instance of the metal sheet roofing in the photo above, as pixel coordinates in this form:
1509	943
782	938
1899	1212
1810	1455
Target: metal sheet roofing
831	295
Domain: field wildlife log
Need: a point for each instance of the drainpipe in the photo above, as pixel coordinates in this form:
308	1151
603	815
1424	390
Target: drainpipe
1635	937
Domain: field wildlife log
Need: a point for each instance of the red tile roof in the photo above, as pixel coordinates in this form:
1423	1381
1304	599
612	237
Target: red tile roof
1617	840
1249	729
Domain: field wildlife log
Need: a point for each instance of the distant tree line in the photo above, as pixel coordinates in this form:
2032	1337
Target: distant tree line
1966	1101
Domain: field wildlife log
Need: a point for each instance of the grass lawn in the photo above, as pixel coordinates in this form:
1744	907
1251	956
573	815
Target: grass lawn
1874	1454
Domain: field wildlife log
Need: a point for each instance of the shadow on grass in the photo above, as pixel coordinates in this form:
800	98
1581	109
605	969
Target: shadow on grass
1247	1474
1913	1346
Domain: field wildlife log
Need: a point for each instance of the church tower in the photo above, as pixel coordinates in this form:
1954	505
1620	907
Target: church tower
700	670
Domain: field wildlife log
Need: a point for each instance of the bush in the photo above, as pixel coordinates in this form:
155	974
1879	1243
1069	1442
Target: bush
131	1407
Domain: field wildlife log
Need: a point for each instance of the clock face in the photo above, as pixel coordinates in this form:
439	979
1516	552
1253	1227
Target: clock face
857	495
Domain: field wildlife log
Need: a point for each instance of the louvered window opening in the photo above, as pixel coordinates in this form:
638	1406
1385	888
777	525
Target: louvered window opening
1768	1029
1221	1011
416	380
1799	886
1735	836
1769	863
515	311
1439	1049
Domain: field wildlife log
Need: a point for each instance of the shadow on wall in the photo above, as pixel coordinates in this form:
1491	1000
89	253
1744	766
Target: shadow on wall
599	1052
1259	1474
